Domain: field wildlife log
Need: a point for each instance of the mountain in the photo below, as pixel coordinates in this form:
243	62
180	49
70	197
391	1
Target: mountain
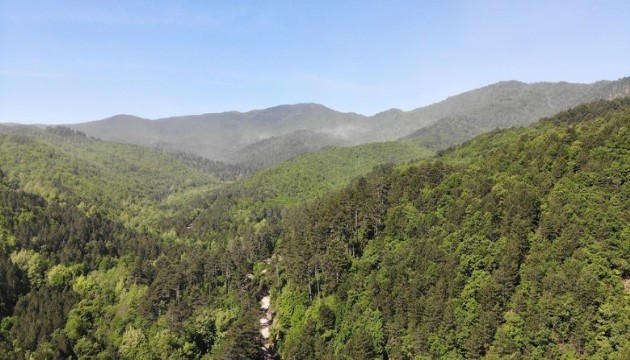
235	137
511	245
514	245
222	136
504	105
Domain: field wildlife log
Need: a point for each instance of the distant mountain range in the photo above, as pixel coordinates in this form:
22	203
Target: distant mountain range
261	138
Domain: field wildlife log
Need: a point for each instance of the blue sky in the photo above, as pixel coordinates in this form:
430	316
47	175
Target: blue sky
72	61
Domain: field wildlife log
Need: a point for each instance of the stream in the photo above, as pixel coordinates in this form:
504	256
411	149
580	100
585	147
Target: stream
265	321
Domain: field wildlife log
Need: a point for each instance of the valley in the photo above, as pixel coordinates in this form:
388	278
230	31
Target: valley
499	231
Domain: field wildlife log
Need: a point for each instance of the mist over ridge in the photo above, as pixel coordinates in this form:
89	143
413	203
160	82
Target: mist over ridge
261	138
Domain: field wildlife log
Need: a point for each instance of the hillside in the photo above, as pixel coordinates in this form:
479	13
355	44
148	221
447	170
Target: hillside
235	137
276	149
62	165
222	136
511	245
508	104
312	175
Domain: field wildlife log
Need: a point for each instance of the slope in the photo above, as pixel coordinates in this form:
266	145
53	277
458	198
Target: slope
276	149
312	175
66	166
507	104
85	270
75	283
232	136
513	245
220	136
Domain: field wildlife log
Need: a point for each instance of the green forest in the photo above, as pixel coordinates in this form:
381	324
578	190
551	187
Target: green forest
512	245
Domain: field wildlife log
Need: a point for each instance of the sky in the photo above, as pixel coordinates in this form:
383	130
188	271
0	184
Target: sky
74	61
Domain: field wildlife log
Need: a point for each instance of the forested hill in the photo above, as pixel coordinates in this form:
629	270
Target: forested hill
513	245
63	165
508	104
310	176
91	267
261	138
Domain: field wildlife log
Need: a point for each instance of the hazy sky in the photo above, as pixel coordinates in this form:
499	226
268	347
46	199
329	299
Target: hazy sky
71	61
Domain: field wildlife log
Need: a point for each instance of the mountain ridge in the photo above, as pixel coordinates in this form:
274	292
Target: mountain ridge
510	245
221	136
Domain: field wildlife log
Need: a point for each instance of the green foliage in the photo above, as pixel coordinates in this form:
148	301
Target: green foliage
219	169
64	274
313	175
509	104
513	245
32	263
241	340
65	166
134	344
61	275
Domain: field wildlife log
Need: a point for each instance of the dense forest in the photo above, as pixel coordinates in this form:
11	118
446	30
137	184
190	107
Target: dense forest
515	244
